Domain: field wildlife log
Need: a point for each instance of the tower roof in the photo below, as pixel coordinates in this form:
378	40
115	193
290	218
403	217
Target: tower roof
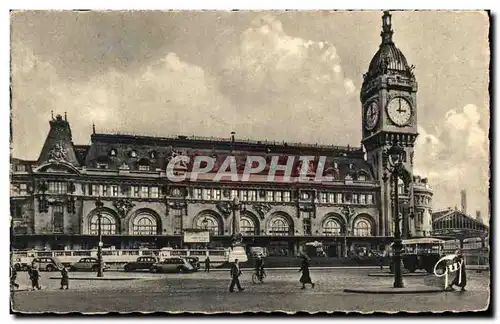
388	57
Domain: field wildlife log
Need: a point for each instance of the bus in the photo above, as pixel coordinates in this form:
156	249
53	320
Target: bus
420	253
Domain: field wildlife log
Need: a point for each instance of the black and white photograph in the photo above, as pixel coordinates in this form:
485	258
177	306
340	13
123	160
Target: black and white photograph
248	161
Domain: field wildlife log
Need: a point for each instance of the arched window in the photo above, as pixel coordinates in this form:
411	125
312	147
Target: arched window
247	226
332	227
144	224
209	222
279	226
362	227
108	224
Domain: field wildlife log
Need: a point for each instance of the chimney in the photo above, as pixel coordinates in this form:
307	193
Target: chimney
463	196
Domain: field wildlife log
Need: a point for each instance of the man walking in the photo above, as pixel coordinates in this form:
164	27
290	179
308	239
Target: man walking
13	277
64	278
235	274
207	264
35	278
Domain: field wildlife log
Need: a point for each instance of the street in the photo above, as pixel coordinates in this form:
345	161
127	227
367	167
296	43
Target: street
208	292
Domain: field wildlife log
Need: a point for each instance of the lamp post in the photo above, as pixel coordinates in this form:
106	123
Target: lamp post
394	155
99	205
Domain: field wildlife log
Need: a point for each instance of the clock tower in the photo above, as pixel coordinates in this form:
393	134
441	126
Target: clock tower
389	115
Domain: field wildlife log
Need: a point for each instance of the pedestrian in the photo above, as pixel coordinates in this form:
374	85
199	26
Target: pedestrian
306	277
35	278
64	278
235	275
207	264
460	279
13	277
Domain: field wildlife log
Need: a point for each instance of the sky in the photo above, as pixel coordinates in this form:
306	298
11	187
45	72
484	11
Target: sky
290	76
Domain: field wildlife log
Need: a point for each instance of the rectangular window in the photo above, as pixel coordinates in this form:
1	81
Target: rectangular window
102	165
270	196
362	199
252	195
58	187
369	199
143	167
58	218
323	197
114	191
177	213
104	190
135	191
197	193
144	191
278	196
217	194
340	198
286	196
207	194
331	198
355	198
154	192
21	168
23	189
234	194
244	195
307	223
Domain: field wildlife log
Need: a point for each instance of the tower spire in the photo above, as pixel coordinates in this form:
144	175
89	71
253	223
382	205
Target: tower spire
386	28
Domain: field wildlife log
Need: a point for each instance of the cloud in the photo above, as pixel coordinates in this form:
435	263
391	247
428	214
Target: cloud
457	158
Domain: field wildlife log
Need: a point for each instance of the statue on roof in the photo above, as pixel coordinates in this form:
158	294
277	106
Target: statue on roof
58	153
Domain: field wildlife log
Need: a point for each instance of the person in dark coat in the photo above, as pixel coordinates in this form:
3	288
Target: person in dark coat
35	278
460	279
207	264
13	277
306	277
64	278
235	274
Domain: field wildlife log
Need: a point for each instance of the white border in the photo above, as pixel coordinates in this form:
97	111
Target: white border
185	4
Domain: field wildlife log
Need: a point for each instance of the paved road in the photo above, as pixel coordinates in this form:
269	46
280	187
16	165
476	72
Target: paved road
202	292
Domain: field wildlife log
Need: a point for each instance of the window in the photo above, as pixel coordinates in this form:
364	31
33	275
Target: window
234	194
217	194
177	213
323	197
102	165
244	195
144	224
135	191
104	190
58	187
362	177
307	224
210	223
108	224
197	193
252	195
331	198
332	227
154	192
286	196
279	196
362	227
58	218
247	226
207	194
304	196
362	199
144	191
340	198
23	189
114	191
355	198
369	199
21	168
279	226
143	167
270	196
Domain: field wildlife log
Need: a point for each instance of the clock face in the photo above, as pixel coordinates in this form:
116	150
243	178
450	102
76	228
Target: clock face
371	115
399	111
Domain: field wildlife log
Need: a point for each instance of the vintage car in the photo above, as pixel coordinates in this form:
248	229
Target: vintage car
195	262
142	263
176	265
87	264
47	264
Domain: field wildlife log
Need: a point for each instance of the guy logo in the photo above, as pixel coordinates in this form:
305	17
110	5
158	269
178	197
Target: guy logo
448	268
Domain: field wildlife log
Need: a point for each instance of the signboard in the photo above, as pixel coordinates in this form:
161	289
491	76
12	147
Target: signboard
196	236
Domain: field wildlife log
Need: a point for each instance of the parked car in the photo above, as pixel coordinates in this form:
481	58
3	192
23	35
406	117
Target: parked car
87	264
47	263
177	265
195	262
142	263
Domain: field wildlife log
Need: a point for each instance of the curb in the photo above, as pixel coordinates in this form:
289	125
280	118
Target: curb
297	267
394	291
391	275
99	279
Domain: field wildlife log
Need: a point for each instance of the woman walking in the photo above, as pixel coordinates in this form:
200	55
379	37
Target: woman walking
306	277
64	278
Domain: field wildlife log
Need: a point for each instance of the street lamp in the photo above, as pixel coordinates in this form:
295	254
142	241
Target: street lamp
395	158
99	205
